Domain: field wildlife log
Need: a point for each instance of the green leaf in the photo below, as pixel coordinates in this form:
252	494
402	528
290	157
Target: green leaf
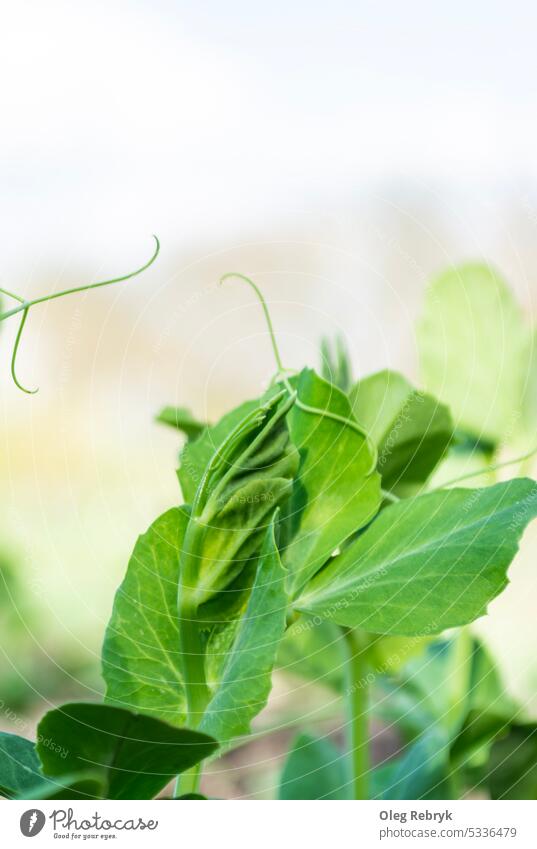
427	563
182	419
412	430
19	765
315	769
246	675
80	785
203	558
512	770
335	493
490	712
336	365
472	344
141	651
136	755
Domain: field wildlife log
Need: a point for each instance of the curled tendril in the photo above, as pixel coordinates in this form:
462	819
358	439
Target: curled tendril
281	374
14	355
24	307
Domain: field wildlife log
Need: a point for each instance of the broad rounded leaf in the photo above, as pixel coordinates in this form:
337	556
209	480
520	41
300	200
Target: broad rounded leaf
472	344
412	430
141	651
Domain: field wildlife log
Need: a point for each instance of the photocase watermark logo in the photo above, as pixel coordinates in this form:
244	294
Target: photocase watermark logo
32	822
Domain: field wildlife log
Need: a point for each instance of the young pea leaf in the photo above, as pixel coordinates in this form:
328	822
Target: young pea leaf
196	455
336	492
136	755
245	480
427	563
472	343
183	420
315	769
246	675
412	430
336	365
20	768
141	651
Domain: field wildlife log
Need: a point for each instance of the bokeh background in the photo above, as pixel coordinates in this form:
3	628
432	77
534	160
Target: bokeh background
340	153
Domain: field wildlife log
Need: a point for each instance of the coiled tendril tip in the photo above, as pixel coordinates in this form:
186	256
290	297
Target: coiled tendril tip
25	306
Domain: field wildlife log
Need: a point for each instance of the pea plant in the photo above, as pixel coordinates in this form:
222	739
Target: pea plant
321	512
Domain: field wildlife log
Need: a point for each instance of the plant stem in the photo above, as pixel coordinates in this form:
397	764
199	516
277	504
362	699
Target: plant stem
188	782
197	691
358	643
193	662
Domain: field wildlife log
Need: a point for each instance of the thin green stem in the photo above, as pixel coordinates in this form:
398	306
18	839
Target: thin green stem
488	469
192	650
191	643
25	306
188	782
236	274
12	295
358	670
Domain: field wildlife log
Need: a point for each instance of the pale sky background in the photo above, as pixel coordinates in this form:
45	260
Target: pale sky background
342	152
205	120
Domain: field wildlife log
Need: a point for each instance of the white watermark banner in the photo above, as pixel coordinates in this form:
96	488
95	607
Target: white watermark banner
271	824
